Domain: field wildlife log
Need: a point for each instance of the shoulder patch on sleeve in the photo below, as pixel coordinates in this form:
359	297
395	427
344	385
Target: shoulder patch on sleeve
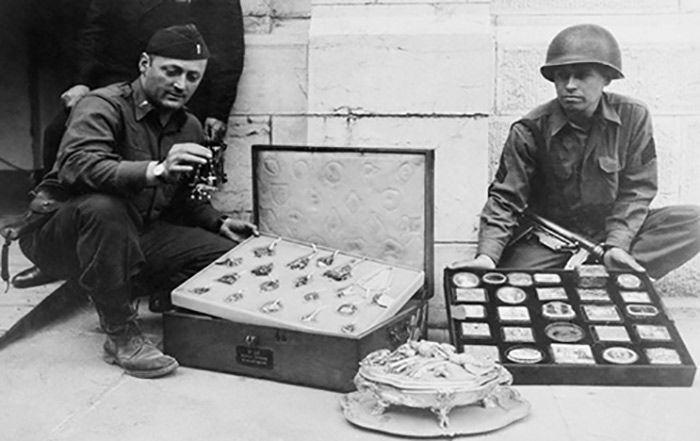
649	152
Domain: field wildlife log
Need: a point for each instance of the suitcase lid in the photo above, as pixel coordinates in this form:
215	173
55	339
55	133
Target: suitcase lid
376	202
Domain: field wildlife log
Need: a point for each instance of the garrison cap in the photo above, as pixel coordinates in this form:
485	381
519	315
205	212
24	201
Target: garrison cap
182	42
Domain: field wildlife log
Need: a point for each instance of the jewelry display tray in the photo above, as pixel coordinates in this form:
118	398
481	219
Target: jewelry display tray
652	354
369	204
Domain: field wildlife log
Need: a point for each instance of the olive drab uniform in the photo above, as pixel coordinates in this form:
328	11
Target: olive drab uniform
598	182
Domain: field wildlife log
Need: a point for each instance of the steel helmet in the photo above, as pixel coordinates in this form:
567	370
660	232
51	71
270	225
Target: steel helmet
585	43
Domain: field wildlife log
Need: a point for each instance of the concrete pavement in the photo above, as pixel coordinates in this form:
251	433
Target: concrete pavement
54	386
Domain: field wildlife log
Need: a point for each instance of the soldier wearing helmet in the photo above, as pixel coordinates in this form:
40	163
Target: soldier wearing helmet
586	161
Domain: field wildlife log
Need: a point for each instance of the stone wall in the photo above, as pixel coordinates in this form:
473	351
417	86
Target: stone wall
450	75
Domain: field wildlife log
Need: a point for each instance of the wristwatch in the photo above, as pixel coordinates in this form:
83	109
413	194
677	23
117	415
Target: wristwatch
159	172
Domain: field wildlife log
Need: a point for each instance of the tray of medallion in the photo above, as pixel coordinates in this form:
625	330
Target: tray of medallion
342	267
581	326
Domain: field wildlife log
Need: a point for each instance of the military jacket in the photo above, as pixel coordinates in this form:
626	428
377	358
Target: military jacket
601	187
112	135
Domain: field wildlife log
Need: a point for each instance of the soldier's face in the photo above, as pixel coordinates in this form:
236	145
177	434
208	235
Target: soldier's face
169	83
579	88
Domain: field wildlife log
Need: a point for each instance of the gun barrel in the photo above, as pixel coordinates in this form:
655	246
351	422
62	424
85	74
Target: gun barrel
594	248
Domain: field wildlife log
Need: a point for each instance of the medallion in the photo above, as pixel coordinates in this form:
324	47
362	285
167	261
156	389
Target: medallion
593	295
511	295
620	355
572	354
642	311
470	295
269	285
547	278
482	352
465	280
517	334
343	272
635	297
653	332
520	279
662	356
302	280
552	293
524	355
347	309
311	296
629	281
494	278
462	312
558	311
564	332
611	333
475	330
601	313
513	314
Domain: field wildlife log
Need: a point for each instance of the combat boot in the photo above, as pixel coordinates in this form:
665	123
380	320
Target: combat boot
127	347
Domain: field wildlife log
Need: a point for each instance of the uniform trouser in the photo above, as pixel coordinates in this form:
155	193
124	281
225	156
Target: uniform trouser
99	241
669	237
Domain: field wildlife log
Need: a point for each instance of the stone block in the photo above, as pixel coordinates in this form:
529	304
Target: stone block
289	130
583	7
236	196
431	59
667	88
690	180
461	153
690	6
274	76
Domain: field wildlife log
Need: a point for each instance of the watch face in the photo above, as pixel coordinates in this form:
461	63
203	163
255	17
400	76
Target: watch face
511	295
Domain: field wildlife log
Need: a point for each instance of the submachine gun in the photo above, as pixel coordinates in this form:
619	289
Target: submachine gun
559	239
206	178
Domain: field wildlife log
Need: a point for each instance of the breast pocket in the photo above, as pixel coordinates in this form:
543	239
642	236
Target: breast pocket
604	184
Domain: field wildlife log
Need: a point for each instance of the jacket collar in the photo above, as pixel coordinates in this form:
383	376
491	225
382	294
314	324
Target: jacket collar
143	107
604	113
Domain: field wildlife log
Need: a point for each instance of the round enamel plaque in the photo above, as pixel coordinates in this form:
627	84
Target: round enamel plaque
520	279
564	332
620	355
628	281
524	355
511	295
465	280
494	278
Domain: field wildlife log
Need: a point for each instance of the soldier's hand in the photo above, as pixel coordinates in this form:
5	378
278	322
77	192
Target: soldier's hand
214	129
72	95
183	157
237	230
617	258
481	261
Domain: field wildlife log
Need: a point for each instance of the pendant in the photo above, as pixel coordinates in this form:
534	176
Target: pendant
343	272
311	296
302	261
236	296
268	250
270	285
326	261
271	306
262	270
200	290
311	317
230	262
347	309
303	280
229	279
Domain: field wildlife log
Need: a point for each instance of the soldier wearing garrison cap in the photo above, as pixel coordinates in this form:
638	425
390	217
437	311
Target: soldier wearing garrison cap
128	220
586	161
